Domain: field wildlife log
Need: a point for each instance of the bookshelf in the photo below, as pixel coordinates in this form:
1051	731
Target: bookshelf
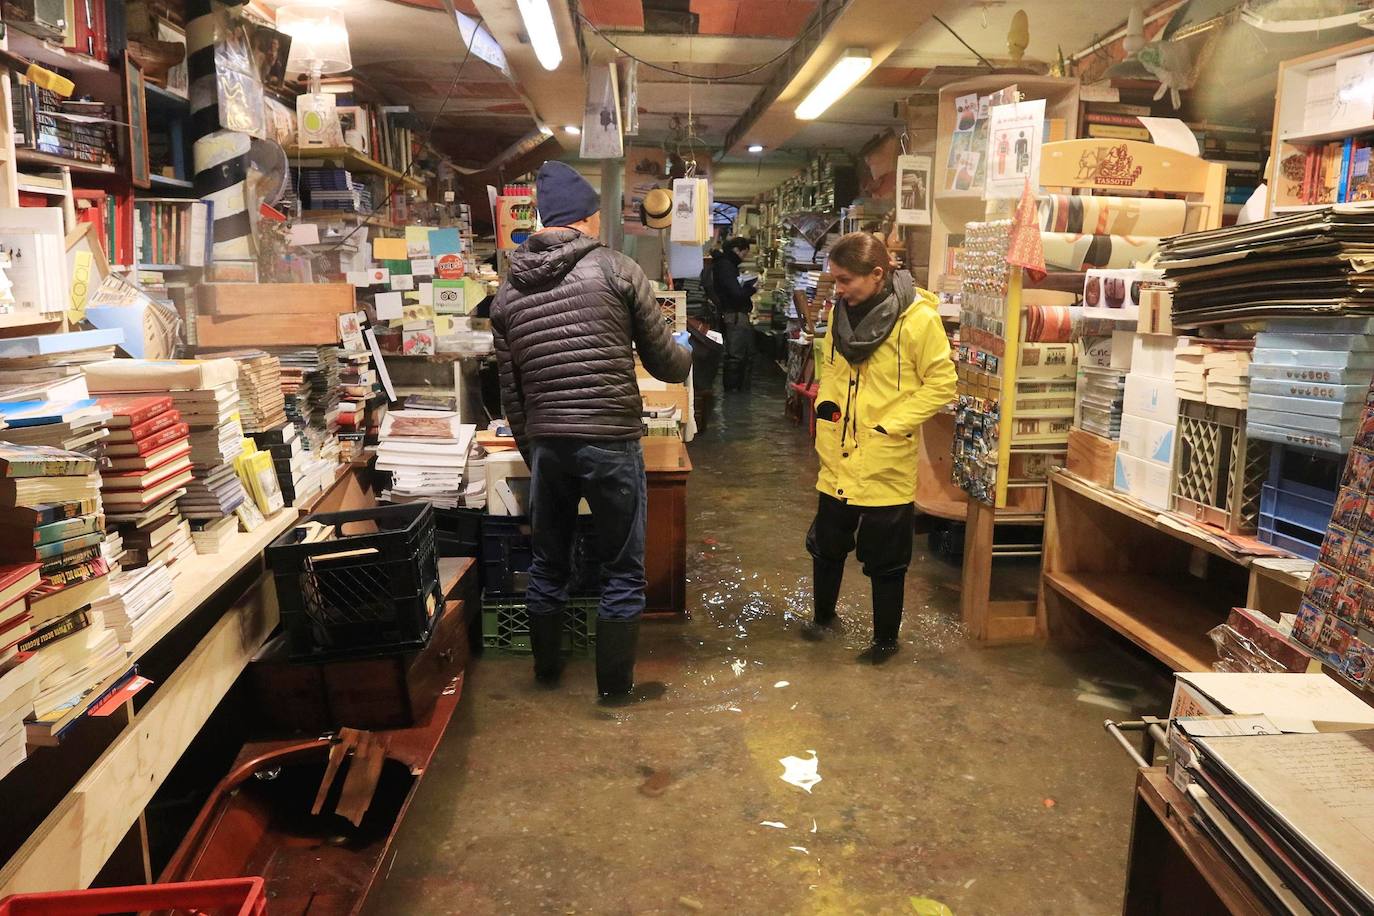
1303	120
345	157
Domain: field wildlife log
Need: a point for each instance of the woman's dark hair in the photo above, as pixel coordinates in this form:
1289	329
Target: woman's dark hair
861	253
738	242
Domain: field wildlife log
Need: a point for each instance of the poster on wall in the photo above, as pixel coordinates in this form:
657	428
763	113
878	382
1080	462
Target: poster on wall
1014	139
602	136
913	190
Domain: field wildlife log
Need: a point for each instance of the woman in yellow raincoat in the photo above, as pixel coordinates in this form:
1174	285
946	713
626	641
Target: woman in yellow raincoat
885	369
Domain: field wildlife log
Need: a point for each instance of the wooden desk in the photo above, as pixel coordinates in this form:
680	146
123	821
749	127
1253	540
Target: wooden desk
1173	866
666	465
1110	558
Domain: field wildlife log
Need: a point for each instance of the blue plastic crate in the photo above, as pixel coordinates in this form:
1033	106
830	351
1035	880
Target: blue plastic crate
1294	539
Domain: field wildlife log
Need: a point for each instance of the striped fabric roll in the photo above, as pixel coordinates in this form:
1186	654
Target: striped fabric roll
220	156
1146	216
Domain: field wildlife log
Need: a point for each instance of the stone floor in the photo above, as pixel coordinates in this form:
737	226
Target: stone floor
977	777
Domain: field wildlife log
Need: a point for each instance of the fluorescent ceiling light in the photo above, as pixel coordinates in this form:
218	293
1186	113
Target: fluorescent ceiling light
572	129
545	130
543	34
852	66
756	147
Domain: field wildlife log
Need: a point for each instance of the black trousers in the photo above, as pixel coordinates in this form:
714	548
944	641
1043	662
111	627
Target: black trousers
881	534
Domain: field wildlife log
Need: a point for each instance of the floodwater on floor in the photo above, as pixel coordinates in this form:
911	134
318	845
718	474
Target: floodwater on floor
977	777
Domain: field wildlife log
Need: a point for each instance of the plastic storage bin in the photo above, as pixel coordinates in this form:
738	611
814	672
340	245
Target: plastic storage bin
458	532
1297	499
375	587
220	897
507	552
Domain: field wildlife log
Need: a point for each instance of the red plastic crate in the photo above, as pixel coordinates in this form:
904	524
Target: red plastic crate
222	897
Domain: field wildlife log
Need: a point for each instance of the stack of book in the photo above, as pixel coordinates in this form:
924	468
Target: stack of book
212	536
296	472
1309	382
170	231
357	379
16	581
1190	371
18	690
138	599
262	405
59	413
50	517
151	466
44	121
334	189
1228	375
310	381
426	453
205	392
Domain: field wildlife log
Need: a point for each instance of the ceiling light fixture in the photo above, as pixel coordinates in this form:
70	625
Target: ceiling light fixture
846	73
756	147
543	33
319	41
545	130
572	129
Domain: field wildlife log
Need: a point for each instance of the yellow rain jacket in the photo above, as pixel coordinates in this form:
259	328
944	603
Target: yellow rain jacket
906	381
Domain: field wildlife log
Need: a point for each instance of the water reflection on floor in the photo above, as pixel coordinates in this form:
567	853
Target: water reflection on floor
973	776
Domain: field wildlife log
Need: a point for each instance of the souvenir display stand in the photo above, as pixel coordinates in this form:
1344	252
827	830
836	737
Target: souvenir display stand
1010	474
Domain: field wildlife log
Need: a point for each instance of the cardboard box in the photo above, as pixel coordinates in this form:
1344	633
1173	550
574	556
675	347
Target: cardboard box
1152	440
1092	457
662	394
1147	481
1153	355
1151	398
1156	310
508	484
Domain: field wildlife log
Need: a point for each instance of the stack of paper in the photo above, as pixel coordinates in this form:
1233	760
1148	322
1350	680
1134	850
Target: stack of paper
1101	393
1228	377
136	601
310	381
1190	370
18	690
426	453
1309	381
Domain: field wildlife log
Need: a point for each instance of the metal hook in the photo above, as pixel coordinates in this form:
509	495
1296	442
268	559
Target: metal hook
903	139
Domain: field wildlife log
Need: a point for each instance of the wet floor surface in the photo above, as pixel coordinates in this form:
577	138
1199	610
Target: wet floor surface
977	777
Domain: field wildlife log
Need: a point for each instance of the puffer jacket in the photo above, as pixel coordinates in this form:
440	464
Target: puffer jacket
563	322
869	414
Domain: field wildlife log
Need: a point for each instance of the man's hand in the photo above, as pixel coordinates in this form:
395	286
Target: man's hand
684	340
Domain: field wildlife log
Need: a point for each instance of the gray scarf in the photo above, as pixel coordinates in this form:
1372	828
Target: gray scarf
857	344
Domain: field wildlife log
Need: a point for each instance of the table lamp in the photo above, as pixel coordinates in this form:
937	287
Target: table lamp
319	45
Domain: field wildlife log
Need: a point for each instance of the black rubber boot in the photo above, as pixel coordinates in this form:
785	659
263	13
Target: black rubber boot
826	578
889	593
616	641
546	641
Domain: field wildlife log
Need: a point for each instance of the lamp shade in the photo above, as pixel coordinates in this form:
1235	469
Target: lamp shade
319	39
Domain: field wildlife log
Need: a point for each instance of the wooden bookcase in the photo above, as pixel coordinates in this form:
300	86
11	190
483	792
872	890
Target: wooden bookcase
1294	130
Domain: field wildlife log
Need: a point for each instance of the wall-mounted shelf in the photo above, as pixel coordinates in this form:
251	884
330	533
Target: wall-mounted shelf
349	158
53	55
34	157
159	98
162	181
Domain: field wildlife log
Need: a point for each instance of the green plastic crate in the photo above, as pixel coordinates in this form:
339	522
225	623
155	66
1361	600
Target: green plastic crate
506	626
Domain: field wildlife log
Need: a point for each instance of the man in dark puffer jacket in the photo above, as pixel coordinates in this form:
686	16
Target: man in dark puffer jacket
564	322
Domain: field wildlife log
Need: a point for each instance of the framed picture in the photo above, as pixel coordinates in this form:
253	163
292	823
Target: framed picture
178	80
913	190
602	135
136	101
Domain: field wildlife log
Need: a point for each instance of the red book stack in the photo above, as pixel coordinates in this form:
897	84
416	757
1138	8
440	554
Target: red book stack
150	456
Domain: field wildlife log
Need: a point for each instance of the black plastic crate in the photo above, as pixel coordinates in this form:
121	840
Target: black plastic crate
373	588
507	552
459	531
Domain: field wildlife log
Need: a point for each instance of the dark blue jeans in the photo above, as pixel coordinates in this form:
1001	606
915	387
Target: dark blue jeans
610	476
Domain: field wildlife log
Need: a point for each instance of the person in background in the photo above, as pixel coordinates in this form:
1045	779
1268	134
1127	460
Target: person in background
736	303
886	370
567	322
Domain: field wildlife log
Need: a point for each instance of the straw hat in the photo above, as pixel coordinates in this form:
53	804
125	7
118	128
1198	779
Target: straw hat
656	210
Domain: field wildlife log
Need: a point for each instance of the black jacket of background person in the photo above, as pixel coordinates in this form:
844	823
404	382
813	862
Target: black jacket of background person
733	297
563	322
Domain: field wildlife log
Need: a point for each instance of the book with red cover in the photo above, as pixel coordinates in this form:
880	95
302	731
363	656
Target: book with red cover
153	443
17	579
132	410
145	429
148	462
151	477
119	502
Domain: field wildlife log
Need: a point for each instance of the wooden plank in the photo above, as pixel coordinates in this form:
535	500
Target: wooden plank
228	300
1092	457
1005	625
74	842
936	493
977	572
266	330
1169	621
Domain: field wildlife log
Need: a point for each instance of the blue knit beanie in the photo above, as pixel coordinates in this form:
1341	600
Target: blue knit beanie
563	196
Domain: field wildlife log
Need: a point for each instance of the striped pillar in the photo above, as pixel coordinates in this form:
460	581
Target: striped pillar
220	156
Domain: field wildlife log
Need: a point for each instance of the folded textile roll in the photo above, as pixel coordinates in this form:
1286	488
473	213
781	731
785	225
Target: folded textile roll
1071	251
1048	323
1146	216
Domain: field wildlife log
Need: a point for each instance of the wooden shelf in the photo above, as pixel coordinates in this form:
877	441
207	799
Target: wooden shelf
157	97
351	159
162	181
1319	136
51	54
1168	620
34	157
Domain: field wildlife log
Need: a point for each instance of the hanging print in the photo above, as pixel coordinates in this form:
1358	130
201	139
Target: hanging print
1014	141
913	190
601	125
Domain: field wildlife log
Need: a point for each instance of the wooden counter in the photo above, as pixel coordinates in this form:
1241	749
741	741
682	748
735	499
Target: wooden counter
667	466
